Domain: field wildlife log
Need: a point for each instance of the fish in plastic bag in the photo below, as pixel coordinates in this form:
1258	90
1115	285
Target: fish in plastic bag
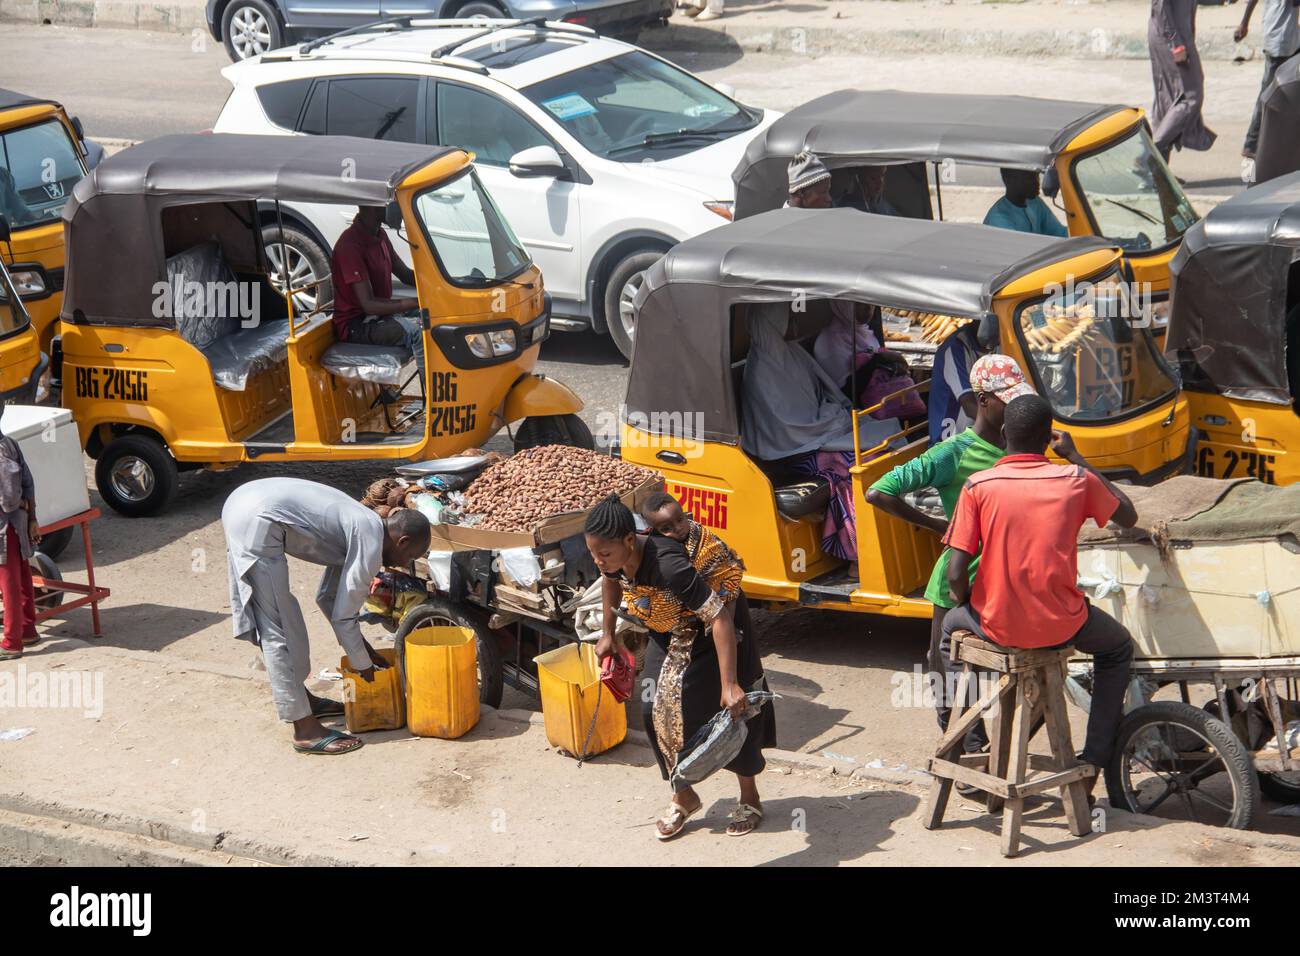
716	743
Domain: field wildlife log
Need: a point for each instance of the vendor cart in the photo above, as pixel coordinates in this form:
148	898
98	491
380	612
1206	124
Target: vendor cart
1211	597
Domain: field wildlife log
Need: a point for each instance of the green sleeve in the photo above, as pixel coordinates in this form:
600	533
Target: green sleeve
934	467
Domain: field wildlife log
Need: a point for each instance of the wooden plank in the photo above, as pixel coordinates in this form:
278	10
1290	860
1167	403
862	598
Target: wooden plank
1017	765
989	660
958	726
1061	780
976	778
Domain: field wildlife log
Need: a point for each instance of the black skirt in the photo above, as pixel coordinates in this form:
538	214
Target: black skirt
702	689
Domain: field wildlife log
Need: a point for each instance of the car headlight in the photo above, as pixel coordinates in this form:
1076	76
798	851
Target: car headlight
724	208
486	345
28	282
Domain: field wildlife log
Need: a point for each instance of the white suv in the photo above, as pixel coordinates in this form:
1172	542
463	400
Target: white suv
601	155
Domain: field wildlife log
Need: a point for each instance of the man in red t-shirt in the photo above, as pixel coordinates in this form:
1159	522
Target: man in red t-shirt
1022	517
361	269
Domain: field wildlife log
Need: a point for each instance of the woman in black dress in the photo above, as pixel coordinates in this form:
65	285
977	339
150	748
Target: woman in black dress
701	643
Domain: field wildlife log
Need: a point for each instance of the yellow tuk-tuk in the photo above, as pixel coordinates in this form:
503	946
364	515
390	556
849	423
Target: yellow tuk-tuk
684	416
1234	333
42	155
1102	171
21	359
179	353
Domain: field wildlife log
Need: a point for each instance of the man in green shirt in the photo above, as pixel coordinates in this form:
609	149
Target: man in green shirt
995	380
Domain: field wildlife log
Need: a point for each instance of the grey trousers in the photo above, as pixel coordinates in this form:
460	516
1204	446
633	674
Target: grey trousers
1111	647
282	635
1271	63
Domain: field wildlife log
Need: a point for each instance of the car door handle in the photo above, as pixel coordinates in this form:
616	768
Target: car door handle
672	457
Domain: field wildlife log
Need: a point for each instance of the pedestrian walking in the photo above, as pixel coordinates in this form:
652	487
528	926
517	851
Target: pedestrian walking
1178	77
1281	42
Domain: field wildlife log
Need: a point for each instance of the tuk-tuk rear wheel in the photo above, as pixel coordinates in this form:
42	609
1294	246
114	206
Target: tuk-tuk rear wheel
553	430
136	475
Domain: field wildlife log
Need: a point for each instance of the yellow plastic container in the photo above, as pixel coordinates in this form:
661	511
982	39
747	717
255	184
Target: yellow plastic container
569	680
377	705
441	681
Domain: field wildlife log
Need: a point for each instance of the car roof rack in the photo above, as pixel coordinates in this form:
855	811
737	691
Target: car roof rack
494	26
401	23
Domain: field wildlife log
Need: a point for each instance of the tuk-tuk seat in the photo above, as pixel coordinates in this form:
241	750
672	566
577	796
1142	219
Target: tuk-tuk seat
380	364
803	498
237	358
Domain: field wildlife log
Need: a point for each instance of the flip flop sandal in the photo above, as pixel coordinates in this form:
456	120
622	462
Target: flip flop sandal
29	641
745	819
324	707
319	747
8	655
674	820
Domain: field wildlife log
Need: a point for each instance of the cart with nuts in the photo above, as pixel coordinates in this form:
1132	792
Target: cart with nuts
1212	600
508	559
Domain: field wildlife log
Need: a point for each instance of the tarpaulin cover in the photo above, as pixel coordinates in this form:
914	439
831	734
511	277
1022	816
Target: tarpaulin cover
1188	509
888	127
381	364
1278	152
113	220
682	356
1227	323
193	277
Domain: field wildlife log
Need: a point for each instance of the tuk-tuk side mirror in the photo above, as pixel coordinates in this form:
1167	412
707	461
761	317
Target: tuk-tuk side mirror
393	216
538	161
77	128
1051	184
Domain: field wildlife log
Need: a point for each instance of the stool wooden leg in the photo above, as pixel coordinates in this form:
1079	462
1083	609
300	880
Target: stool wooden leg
1073	795
1000	741
1018	762
936	803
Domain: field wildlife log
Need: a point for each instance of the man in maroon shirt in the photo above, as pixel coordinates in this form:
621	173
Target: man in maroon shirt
362	269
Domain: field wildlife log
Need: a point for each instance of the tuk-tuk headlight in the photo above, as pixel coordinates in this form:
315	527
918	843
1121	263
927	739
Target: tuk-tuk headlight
486	345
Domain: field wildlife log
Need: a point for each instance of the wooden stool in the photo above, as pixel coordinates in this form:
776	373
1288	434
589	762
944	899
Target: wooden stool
1034	680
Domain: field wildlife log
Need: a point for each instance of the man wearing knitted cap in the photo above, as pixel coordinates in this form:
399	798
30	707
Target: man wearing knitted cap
810	182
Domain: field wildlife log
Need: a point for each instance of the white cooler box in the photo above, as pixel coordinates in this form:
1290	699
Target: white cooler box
50	443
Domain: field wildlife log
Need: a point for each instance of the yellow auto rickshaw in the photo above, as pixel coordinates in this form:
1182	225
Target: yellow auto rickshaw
21	360
42	156
1234	333
179	353
1101	170
683	415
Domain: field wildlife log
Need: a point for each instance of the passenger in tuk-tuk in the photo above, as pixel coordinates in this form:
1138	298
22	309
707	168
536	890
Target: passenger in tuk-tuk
796	418
952	404
810	182
867	192
361	270
853	335
1022	208
995	380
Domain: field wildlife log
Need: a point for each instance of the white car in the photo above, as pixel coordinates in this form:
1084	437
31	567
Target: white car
600	154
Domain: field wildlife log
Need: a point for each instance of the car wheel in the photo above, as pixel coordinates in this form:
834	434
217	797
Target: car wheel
250	28
308	264
620	289
56	542
480	9
136	475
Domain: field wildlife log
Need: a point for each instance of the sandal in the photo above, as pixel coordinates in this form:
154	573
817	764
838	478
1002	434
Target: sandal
324	707
320	746
8	655
674	820
32	639
745	818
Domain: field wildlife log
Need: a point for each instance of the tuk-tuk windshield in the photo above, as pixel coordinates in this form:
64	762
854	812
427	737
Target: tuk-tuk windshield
472	240
1089	358
13	314
1132	197
39	165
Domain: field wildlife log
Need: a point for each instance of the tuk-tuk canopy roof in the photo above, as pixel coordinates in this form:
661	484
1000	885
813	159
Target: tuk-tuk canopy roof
682	358
11	99
114	220
231	167
1227	322
885	127
1278	152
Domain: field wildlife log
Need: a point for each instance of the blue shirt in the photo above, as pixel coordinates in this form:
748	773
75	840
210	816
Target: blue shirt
948	383
1033	216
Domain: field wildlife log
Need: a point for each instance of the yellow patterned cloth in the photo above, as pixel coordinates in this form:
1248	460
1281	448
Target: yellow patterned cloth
717	565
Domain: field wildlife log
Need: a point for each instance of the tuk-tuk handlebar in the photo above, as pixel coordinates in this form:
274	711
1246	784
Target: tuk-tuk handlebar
857	443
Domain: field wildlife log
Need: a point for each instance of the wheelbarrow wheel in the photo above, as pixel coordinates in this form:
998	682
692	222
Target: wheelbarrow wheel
439	611
1282	787
1164	755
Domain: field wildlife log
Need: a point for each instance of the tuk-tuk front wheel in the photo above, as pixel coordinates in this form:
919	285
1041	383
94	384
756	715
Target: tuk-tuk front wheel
136	475
553	430
249	28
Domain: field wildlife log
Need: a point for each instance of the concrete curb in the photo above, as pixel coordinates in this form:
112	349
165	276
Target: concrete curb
726	36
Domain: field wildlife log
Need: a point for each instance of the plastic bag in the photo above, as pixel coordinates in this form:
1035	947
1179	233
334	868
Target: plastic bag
521	565
589	619
715	744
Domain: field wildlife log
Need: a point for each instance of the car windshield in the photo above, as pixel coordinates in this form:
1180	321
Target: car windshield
39	166
474	244
1090	360
13	315
1133	198
634	106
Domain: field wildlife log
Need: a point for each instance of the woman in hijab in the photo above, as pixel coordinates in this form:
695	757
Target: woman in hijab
21	535
797	415
1179	79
